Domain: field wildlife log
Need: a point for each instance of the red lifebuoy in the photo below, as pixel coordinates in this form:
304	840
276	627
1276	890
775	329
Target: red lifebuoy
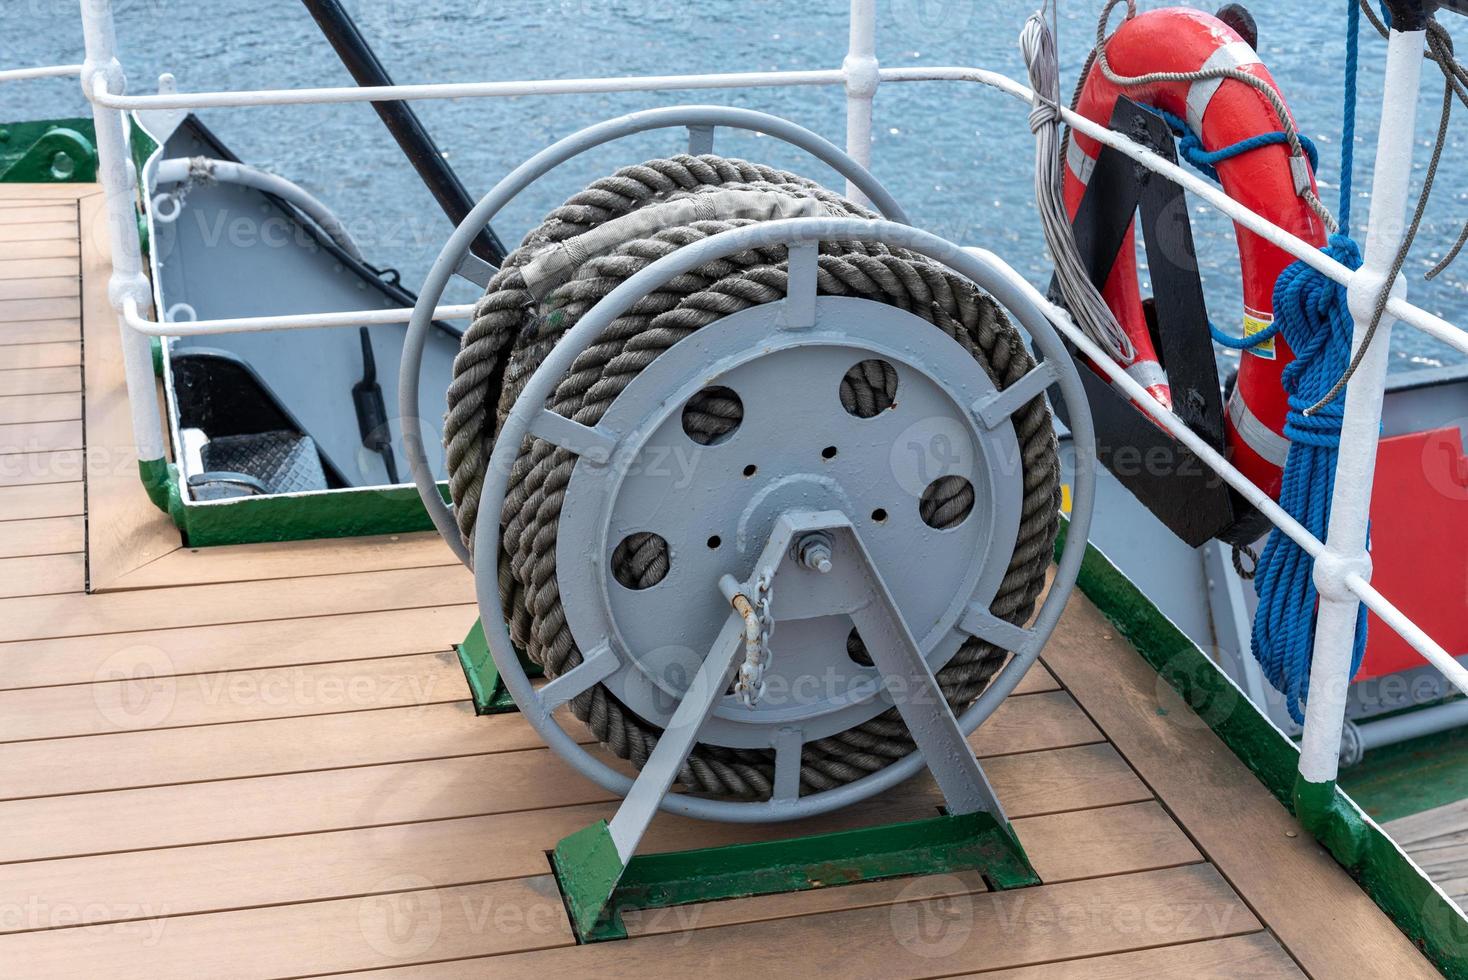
1222	112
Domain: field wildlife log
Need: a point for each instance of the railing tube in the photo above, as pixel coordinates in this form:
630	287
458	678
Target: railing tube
102	74
1345	554
859	69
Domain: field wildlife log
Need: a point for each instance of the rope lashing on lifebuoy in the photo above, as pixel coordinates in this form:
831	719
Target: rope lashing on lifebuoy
513	330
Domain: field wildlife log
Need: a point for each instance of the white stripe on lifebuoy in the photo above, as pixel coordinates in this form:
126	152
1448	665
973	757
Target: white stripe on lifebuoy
1269	444
1232	55
1079	163
1148	374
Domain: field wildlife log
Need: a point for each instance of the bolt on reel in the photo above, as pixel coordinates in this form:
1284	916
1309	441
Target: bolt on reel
785	526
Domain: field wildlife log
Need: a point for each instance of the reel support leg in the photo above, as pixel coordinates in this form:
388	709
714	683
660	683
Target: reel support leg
596	867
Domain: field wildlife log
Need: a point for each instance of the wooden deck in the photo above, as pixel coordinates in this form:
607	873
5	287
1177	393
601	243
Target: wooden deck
262	761
1437	839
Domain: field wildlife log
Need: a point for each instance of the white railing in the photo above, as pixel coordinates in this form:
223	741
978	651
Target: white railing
1342	565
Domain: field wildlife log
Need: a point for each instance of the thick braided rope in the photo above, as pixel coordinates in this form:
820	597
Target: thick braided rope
511	334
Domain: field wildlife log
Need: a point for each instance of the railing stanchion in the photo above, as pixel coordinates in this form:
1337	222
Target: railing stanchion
1345	543
860	71
115	171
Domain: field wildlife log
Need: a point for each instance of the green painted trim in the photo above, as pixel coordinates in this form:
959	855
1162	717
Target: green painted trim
48	151
160	479
307	516
491	697
1437	926
155	345
588	870
598	890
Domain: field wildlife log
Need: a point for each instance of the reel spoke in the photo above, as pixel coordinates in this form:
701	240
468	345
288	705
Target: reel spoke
995	409
700	140
597	665
800	294
593	445
978	621
475	269
788	743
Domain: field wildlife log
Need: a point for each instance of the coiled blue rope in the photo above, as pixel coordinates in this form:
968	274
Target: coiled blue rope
1311	311
1190	145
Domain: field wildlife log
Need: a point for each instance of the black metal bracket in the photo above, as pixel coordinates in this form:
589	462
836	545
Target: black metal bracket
1174	484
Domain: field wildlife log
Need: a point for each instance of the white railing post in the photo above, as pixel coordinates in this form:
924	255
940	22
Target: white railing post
1350	507
102	73
860	71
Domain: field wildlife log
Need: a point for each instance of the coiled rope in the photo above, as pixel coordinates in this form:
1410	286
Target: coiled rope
513	330
1315	321
1082	298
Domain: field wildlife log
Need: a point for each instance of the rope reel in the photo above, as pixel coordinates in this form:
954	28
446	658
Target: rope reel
775	479
601	236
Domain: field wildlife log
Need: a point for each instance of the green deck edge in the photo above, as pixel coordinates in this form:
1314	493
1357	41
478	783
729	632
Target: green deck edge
1431	920
48	151
490	695
295	517
598	889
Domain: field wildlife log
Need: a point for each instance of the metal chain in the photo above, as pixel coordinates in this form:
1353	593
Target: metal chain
750	684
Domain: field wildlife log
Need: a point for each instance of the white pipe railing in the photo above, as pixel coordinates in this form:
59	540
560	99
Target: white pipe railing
45	71
1342	567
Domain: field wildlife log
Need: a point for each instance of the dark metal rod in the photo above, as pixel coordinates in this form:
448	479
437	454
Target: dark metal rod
402	122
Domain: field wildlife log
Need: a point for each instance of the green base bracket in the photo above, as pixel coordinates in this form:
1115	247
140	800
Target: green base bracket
598	888
54	151
490	695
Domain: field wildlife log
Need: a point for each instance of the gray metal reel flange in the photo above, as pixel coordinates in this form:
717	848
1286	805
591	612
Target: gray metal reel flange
607	446
455	258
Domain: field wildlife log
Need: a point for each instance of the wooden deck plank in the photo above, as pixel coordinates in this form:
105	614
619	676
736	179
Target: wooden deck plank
38	212
39	287
55	407
42	536
1437	839
50	248
1256	956
40	437
39	231
127	531
291	559
30	193
40	500
31	268
33	469
119	701
907	941
515	777
203	605
40	332
39	381
223	877
42	575
1285	876
58	308
240	646
29	357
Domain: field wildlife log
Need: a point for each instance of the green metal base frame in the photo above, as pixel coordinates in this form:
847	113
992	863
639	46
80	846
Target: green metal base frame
598	889
490	695
1437	926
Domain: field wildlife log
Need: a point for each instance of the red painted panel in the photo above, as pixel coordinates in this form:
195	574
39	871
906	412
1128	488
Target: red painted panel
1419	537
